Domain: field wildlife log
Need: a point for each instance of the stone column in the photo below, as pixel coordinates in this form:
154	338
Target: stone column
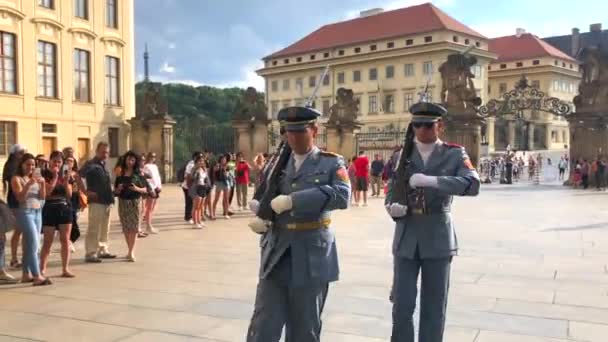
341	140
155	135
548	141
465	131
251	138
531	126
511	133
490	133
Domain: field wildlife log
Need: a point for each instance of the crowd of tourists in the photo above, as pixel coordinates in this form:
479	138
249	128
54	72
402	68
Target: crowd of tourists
45	194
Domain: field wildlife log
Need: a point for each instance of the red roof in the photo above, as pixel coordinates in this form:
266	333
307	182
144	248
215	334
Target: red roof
512	48
400	22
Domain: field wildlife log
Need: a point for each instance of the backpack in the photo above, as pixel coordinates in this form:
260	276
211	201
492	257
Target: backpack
181	173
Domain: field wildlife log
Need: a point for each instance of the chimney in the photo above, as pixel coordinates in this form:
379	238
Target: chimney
576	42
519	32
370	12
595	27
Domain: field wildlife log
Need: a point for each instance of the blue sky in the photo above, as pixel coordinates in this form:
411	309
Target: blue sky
221	42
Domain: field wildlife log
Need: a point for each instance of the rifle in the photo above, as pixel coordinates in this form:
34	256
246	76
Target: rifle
401	189
269	186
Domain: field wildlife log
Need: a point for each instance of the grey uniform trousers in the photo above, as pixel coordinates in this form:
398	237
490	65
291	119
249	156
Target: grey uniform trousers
279	304
435	283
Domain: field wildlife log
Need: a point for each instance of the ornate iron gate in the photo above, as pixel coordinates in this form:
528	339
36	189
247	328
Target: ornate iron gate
194	135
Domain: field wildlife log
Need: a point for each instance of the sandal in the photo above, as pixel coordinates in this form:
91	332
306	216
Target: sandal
68	275
15	264
45	282
141	235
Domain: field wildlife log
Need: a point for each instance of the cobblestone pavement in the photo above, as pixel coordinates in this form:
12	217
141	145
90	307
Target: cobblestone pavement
532	268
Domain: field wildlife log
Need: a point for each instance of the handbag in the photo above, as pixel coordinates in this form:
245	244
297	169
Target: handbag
83	200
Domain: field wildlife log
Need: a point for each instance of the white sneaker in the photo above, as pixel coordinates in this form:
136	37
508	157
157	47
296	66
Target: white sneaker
191	221
227	217
152	230
72	248
198	226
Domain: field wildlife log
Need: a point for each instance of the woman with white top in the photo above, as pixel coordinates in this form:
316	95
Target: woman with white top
30	190
154	180
199	190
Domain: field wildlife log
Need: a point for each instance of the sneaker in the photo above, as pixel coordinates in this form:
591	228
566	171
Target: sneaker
152	230
227	217
92	260
198	226
106	255
365	204
7	279
191	221
130	258
72	248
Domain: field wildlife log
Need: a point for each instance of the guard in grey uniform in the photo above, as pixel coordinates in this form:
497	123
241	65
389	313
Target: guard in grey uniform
299	256
425	239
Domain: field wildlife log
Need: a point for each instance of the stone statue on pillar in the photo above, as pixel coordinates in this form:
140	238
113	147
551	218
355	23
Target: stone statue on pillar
342	123
250	119
458	95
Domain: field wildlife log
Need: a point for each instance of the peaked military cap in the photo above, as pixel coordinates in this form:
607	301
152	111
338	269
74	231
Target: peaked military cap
297	118
427	112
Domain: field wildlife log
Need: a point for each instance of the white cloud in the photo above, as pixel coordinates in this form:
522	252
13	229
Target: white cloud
166	68
171	46
249	78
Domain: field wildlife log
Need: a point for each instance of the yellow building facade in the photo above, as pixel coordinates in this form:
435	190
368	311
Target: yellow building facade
547	69
386	74
67	75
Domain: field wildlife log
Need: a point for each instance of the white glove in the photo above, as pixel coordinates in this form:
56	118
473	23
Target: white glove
420	180
281	204
254	206
258	226
396	210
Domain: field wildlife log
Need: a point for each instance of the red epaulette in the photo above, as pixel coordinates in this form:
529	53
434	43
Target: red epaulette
452	145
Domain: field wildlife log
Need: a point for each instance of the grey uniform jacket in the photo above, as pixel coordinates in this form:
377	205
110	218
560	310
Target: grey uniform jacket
319	186
433	234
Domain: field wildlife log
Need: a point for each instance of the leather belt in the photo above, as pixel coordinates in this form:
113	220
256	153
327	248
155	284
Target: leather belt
309	225
419	211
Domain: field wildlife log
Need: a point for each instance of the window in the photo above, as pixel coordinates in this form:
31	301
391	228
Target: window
340	78
373	104
519	64
571	66
455	39
286	84
409	70
389	103
477	44
274	85
8	79
563	64
373	47
312	57
47	81
8	136
535	62
409	42
467	41
49	128
357	76
572	88
113	141
489	67
556	85
81	9
326	55
341	53
112	81
536	84
286	61
326	80
325	107
274	63
408	101
299	83
477	71
274	109
502	88
428	39
81	75
357	50
46	3
111	14
390	45
555	62
312	81
299	59
373	74
390	71
489	89
503	66
427	68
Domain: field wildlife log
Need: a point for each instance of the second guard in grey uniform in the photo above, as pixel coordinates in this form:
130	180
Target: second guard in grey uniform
299	257
425	239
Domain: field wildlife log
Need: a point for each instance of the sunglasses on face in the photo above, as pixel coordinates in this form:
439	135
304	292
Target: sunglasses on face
427	125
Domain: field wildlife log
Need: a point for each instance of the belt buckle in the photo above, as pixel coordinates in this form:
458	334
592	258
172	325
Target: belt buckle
417	211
